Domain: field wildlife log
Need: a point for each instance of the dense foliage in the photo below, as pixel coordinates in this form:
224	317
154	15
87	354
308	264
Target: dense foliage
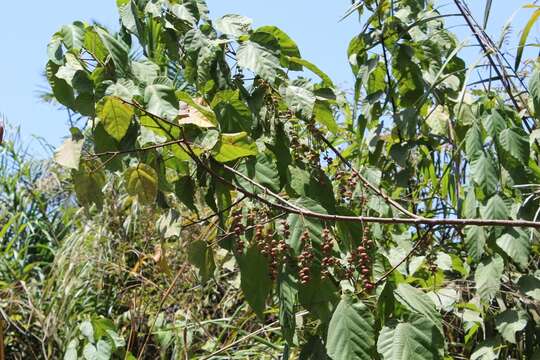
394	221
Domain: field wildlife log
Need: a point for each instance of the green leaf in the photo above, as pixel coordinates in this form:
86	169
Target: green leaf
161	101
200	254
233	25
495	209
530	286
123	89
319	297
255	281
263	170
516	244
288	47
351	333
259	59
524	36
534	88
234	146
231	112
419	339
322	112
408	76
309	186
69	153
54	50
128	15
475	241
298	224
510	322
288	293
142	181
117	50
494	124
327	81
515	143
484	174
115	115
88	184
186	12
488	277
300	100
63	93
94	45
473	143
145	71
416	301
73	35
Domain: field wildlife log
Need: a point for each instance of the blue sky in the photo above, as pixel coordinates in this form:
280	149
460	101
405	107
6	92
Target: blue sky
312	24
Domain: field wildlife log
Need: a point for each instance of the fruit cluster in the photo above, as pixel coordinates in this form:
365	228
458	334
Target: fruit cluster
305	259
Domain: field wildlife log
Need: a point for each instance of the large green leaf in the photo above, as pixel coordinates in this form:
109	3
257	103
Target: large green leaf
288	47
475	241
288	294
263	170
510	322
255	281
73	35
117	50
161	101
494	124
516	244
351	333
488	277
473	143
514	143
259	59
418	339
234	146
495	209
234	25
88	184
116	116
485	174
319	296
417	301
300	100
232	113
298	224
408	76
142	181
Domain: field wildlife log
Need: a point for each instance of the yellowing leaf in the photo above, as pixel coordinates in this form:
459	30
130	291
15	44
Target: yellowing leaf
234	146
116	116
141	181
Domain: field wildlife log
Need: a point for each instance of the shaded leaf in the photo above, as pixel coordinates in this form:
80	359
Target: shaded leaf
255	281
488	277
351	333
419	339
142	181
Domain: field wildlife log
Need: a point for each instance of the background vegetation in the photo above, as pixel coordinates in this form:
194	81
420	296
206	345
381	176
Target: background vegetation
220	197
